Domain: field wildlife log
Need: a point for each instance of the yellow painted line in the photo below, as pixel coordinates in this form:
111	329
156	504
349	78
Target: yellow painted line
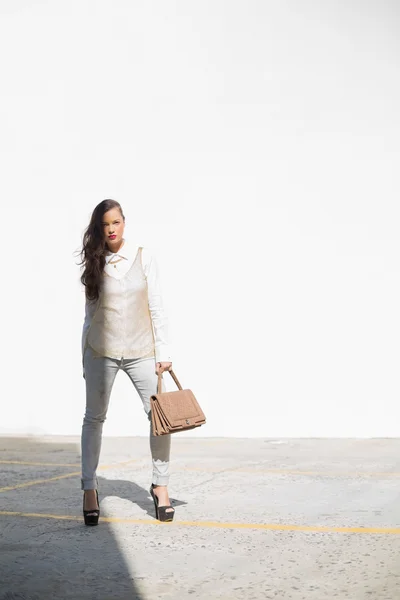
217	524
37	482
292	472
37	464
322	473
65	476
213	470
218	470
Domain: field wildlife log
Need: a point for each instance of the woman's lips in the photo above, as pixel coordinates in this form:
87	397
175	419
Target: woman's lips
112	237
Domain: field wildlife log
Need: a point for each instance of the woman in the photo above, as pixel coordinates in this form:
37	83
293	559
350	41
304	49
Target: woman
124	328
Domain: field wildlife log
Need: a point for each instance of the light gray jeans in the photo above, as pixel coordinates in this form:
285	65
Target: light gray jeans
100	373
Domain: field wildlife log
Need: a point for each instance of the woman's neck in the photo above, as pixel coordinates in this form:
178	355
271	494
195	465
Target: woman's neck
113	251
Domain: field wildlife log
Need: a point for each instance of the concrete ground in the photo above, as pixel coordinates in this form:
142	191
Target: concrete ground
255	519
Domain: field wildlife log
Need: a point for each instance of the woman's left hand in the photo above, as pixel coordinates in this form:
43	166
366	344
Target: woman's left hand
163	366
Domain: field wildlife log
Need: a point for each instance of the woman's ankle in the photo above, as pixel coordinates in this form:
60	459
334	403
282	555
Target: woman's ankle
90	499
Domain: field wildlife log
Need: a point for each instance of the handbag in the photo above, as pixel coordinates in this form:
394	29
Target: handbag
174	411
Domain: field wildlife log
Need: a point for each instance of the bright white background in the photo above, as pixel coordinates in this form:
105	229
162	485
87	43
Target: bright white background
254	145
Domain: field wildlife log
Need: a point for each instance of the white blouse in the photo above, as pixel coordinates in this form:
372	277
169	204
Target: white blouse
117	264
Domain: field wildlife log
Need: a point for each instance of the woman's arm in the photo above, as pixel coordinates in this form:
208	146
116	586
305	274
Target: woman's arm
157	311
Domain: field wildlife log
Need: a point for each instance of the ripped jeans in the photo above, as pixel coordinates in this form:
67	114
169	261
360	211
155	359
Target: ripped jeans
100	373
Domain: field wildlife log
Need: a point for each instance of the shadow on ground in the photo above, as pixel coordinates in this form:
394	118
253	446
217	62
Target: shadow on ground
44	558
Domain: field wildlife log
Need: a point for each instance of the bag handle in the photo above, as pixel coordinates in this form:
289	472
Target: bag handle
174	377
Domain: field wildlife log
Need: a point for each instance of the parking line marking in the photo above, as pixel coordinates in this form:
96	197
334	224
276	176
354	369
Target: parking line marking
38	481
37	464
381	474
65	476
292	472
219	525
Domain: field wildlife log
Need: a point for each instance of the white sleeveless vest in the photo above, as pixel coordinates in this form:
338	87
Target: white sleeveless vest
121	325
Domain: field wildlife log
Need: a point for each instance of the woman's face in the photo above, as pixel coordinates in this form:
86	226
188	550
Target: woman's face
113	227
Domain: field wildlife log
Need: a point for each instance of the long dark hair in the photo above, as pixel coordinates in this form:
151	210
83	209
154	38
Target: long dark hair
94	249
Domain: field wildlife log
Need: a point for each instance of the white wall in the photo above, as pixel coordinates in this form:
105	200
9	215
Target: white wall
255	147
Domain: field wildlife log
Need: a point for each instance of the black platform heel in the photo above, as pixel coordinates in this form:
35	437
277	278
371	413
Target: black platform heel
91	517
161	511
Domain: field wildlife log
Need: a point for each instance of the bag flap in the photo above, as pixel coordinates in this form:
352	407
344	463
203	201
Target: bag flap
178	407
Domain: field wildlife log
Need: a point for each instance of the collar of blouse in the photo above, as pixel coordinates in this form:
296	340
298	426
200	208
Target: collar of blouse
123	252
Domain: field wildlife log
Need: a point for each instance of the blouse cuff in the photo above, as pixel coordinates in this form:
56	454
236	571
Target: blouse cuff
163	354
